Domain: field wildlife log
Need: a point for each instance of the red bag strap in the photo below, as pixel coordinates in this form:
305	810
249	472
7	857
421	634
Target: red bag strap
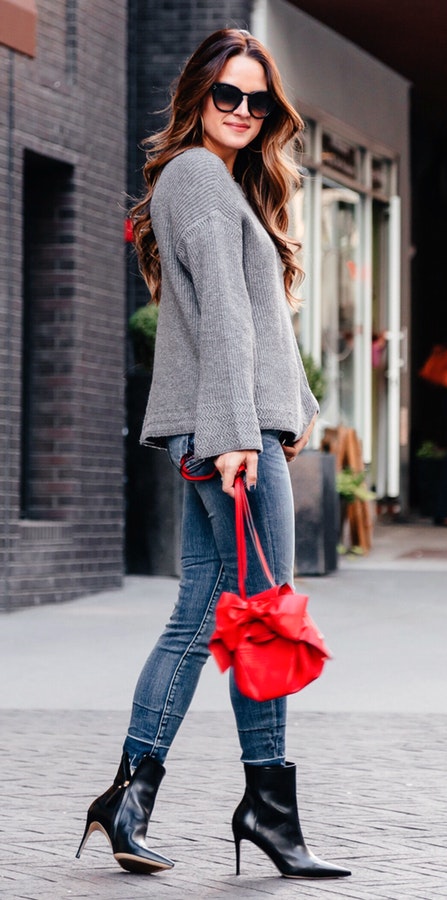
244	517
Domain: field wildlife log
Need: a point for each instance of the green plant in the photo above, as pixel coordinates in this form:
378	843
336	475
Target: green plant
315	376
351	486
143	328
430	450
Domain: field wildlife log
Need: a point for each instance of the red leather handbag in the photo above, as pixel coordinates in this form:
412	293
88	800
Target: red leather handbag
270	639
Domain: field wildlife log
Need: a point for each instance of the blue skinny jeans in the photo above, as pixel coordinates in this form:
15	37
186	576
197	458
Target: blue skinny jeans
169	678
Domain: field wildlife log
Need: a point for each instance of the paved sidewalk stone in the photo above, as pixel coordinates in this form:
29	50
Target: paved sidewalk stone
371	792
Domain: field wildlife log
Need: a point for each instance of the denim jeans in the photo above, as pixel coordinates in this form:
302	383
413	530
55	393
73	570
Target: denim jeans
209	565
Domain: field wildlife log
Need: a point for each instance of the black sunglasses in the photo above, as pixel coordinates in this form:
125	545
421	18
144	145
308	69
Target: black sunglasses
227	98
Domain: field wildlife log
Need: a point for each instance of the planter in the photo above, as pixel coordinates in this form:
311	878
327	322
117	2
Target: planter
317	512
154	492
432	487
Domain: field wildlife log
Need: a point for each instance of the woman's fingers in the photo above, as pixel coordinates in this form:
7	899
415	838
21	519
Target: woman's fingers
228	464
289	452
292	451
251	469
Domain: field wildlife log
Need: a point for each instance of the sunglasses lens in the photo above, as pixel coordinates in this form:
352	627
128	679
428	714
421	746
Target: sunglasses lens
260	104
226	97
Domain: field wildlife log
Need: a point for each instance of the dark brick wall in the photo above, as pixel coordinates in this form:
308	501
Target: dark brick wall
48	487
66	106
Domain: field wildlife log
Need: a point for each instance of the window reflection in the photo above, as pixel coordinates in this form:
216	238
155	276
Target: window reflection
340	251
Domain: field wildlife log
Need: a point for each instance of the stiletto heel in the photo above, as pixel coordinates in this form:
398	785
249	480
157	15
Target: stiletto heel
122	815
237	845
268	817
85	838
90	827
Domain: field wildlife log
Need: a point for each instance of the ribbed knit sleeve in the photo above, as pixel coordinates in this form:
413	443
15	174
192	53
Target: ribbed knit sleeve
199	184
226	417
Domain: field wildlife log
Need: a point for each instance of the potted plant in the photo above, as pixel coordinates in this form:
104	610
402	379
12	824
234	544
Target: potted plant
315	376
350	487
431	467
143	328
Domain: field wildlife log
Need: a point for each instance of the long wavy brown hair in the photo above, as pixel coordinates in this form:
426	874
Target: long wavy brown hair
264	168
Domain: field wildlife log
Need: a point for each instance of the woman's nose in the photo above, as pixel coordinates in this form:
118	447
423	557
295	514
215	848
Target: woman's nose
242	109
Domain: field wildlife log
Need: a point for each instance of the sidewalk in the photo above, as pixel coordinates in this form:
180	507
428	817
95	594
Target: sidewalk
369	738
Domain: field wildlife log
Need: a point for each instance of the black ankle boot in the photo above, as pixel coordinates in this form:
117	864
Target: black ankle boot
123	814
268	816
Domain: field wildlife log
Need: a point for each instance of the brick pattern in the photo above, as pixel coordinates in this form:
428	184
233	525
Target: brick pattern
68	105
368	791
49	488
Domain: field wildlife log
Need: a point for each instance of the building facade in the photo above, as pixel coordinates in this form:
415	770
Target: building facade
62	290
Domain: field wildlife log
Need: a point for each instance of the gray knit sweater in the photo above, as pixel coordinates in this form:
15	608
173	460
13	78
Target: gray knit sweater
226	360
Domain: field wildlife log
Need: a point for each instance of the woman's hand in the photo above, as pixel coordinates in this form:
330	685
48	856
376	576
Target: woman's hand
291	452
228	464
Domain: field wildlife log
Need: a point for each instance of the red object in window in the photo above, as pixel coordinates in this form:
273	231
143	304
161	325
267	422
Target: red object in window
128	231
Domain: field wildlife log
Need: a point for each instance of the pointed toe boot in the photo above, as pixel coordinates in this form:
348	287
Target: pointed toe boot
268	817
122	814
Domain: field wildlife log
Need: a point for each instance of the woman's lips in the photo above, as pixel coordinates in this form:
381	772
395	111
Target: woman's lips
237	126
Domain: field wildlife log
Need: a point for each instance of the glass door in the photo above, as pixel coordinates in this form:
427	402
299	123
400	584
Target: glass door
379	346
341	314
350	320
386	348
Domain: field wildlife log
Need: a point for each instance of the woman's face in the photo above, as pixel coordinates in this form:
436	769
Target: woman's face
224	133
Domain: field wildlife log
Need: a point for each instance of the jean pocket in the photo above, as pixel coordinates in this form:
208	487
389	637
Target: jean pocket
179	446
181	453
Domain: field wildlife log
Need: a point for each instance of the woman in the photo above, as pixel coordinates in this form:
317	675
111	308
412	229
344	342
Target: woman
228	389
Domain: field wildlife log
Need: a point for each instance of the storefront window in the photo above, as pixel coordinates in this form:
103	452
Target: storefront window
339	299
344	321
